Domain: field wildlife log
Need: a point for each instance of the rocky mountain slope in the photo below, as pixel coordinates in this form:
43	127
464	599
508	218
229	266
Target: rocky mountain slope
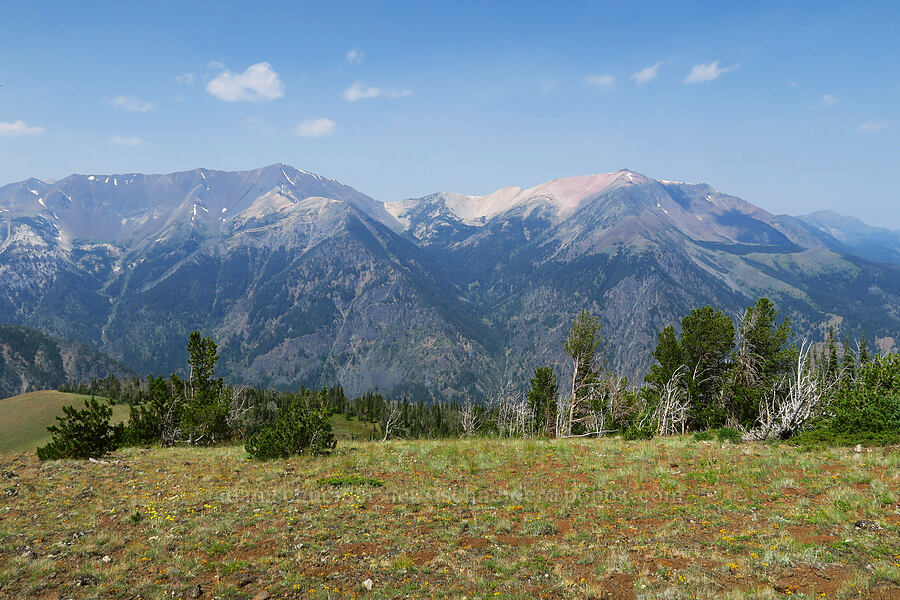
31	360
304	280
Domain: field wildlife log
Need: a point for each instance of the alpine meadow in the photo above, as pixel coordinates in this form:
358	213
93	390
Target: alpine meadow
566	380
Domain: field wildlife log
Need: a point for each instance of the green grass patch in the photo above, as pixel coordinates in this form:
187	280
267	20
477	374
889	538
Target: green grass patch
24	419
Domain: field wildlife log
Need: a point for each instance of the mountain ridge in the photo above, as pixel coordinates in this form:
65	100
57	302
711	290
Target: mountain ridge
305	280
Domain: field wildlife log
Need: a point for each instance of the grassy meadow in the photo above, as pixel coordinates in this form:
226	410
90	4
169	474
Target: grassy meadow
24	418
479	518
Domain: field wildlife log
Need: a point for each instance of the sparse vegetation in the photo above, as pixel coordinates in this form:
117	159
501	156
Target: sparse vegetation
477	517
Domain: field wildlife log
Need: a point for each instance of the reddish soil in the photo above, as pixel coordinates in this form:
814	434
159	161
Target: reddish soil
806	534
885	592
478	543
810	580
360	548
619	586
423	557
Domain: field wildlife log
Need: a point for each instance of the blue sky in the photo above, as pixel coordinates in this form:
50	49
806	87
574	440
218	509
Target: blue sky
794	108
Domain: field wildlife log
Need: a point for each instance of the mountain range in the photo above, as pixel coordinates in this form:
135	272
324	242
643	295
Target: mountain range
304	280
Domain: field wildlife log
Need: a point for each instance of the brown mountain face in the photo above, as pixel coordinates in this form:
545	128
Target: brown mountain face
304	280
31	360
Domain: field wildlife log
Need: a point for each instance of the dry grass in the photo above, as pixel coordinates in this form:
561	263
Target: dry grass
667	518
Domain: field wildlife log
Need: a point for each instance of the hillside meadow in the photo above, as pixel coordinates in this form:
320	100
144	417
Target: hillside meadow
473	518
24	418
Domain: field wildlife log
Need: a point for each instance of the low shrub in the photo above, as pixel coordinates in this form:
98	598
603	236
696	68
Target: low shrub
864	409
300	427
728	434
85	433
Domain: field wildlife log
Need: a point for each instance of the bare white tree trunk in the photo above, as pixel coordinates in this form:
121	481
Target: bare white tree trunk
789	404
391	419
671	413
468	418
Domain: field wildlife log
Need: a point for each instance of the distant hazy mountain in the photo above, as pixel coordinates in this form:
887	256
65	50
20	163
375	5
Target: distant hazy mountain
875	243
31	360
304	280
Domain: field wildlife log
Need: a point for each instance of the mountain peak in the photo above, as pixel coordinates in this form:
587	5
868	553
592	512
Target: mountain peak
566	194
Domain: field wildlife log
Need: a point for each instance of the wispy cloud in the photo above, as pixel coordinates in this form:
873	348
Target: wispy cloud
354	56
646	74
258	83
600	82
18	128
316	127
870	126
547	86
186	78
215	65
828	100
360	91
132	104
119	140
700	73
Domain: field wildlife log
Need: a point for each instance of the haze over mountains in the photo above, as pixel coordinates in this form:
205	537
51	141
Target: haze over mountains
304	280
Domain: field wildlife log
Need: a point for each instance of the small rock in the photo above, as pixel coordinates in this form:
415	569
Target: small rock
245	581
868	525
263	595
86	580
858	448
196	591
368	584
29	554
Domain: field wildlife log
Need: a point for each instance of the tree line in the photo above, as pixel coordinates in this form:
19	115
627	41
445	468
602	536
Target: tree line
748	376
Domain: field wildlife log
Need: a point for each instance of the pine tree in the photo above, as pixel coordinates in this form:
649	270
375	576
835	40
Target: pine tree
204	412
542	400
85	433
831	370
581	345
707	338
762	359
863	350
848	362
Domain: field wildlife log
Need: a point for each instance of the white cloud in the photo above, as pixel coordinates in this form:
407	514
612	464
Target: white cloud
18	128
358	91
184	78
646	74
600	82
708	72
869	126
829	100
259	83
215	64
315	127
119	140
132	104
354	56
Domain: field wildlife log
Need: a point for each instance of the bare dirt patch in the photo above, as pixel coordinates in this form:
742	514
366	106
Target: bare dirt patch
618	586
811	580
